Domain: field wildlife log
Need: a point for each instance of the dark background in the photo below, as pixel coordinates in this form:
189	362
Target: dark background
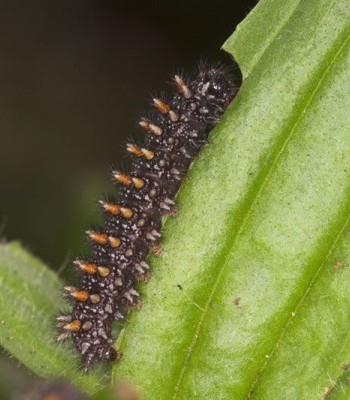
75	76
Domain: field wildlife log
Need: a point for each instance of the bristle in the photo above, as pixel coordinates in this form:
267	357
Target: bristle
114	241
103	271
110	207
95	298
64	318
154	129
126	212
116	209
162	107
173	116
79	295
86	267
155	249
182	88
138	183
140	152
64	336
73	326
100	238
123	179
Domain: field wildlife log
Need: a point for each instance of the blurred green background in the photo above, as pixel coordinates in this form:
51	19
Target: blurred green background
75	76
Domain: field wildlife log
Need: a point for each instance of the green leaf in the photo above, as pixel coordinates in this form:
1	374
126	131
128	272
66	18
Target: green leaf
29	300
263	222
249	299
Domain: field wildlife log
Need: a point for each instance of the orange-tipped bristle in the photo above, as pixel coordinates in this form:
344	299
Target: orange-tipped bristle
138	183
114	241
123	179
90	269
110	207
154	129
100	238
115	209
103	271
182	87
73	326
133	149
126	212
140	152
81	295
162	107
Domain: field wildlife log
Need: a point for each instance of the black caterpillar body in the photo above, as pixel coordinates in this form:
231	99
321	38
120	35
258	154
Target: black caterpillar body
132	223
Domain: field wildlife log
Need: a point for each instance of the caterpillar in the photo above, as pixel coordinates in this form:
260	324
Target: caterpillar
175	132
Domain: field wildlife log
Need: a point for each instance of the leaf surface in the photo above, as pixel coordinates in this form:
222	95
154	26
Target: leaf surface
250	299
29	302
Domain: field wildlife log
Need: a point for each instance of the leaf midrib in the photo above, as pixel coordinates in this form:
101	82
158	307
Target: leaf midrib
227	247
